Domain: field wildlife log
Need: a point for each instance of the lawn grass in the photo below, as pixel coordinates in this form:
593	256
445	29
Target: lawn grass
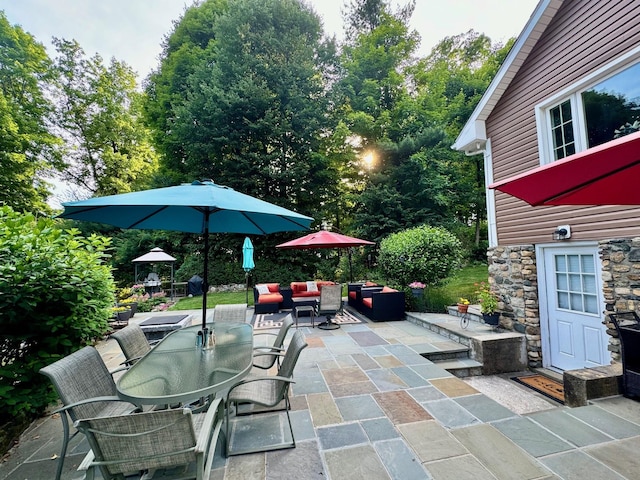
213	299
462	284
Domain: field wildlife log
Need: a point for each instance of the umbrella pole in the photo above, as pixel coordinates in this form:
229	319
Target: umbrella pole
206	273
350	266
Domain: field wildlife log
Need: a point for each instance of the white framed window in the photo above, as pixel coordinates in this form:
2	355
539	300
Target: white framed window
602	107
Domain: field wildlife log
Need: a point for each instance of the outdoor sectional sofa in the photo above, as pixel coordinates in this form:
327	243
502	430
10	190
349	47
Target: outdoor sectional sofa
377	303
277	298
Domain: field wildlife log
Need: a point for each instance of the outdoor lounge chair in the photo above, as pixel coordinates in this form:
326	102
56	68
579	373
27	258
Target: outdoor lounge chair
265	392
86	390
234	313
160	439
133	342
329	305
265	356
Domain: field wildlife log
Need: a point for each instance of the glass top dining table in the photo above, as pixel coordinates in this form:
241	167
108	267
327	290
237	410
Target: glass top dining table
178	370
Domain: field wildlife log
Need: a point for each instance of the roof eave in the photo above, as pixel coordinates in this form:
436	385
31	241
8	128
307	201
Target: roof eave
473	135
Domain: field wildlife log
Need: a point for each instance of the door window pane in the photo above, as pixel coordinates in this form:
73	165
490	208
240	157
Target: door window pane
576	285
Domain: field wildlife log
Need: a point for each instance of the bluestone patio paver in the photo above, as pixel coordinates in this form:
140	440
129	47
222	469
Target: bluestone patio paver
498	454
431	441
358	407
533	438
362	412
400	461
560	423
357	463
576	465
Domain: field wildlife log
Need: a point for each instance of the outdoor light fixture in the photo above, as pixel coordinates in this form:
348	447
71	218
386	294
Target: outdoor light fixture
563	232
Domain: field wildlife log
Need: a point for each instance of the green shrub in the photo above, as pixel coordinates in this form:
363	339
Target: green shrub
425	254
56	295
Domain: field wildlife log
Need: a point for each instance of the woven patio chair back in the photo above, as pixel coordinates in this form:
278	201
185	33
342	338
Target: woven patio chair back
330	300
133	342
266	357
80	379
234	313
159	439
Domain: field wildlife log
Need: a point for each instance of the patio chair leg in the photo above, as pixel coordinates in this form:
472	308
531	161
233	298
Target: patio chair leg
65	443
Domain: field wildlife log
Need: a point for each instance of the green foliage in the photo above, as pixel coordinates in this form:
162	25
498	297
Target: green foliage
462	283
100	109
426	254
27	148
56	297
486	298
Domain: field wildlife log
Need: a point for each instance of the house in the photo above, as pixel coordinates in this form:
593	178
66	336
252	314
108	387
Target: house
570	81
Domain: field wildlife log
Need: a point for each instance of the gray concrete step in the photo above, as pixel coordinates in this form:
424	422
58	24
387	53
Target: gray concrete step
494	349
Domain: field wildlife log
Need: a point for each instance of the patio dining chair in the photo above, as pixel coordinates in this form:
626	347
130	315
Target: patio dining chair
86	390
264	391
234	313
133	342
265	356
330	304
174	440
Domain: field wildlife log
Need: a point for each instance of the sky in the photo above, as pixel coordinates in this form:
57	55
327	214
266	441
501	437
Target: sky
132	30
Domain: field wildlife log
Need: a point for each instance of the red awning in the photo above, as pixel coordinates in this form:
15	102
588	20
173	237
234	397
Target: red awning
608	174
325	239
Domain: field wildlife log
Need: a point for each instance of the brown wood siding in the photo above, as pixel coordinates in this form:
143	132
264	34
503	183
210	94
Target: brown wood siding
583	36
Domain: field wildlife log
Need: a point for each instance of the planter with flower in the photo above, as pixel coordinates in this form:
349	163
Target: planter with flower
417	288
488	304
463	305
121	314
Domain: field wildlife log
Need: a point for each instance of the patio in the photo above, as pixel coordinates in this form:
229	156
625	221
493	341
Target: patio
366	405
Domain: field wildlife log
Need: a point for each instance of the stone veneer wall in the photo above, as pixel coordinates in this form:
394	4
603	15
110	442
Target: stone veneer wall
620	260
513	276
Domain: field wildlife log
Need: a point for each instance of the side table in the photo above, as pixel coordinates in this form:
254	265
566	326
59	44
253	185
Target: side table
304	308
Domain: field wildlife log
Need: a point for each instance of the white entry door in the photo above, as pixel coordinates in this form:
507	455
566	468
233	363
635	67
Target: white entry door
576	336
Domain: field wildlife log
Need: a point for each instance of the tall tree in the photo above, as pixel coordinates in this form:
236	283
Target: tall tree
191	42
255	114
27	148
99	116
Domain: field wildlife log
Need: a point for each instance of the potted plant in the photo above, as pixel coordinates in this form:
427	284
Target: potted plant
417	288
488	304
463	305
121	314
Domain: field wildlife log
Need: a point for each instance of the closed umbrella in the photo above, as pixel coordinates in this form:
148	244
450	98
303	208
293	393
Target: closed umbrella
247	261
200	207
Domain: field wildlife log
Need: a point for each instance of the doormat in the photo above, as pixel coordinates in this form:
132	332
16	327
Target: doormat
544	385
264	321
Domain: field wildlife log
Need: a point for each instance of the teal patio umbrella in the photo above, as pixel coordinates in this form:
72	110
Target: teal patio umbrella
200	207
247	261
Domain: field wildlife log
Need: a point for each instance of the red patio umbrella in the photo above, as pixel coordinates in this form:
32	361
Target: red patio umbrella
604	175
326	239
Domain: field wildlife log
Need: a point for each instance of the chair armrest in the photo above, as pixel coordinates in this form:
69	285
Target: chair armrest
202	443
268	349
94	400
265	333
262	354
262	379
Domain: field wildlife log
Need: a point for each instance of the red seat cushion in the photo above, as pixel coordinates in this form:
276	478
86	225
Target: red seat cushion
352	295
368	302
307	294
270	298
388	290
